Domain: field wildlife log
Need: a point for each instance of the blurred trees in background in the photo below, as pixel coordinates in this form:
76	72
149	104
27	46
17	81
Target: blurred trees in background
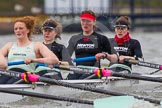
20	7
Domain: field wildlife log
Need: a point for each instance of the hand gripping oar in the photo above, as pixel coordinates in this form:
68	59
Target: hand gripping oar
34	78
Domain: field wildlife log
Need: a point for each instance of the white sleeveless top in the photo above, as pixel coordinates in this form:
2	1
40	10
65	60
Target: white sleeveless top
17	53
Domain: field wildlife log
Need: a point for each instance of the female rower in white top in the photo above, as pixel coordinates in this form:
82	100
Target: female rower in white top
25	49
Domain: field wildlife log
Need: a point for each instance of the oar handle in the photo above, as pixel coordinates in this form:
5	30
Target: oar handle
103	72
29	77
85	59
81	70
22	62
41	64
16	63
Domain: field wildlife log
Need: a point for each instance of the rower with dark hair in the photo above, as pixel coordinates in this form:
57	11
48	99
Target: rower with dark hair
124	45
51	30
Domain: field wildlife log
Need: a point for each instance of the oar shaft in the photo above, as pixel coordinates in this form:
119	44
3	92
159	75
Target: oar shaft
146	64
107	73
139	77
75	69
155	101
45	96
81	87
69	68
104	72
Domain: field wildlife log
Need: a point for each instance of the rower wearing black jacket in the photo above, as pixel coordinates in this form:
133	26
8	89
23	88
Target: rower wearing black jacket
52	30
124	45
89	43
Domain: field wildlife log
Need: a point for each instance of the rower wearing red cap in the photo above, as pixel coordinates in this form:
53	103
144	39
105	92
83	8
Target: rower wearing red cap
89	42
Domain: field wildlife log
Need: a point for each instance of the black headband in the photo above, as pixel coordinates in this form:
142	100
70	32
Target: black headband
122	24
48	25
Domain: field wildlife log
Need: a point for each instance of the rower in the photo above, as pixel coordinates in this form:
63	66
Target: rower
25	49
123	45
88	43
51	30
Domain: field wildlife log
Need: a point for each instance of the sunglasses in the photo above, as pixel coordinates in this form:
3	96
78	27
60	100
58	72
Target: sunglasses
121	27
86	20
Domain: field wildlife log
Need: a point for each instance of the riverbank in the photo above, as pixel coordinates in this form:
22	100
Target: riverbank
7	28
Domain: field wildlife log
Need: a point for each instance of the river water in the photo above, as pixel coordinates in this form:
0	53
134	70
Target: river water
150	43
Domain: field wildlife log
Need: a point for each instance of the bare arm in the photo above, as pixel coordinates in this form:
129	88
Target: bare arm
48	57
121	58
4	53
3	62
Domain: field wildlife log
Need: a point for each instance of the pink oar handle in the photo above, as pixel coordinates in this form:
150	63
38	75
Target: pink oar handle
107	73
102	72
30	77
160	67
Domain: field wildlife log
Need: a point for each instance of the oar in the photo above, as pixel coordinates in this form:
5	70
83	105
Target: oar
142	63
80	69
35	78
107	73
45	96
145	64
154	72
23	62
112	102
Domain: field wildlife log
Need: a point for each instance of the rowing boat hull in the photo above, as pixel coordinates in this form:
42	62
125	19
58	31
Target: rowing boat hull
52	89
118	85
